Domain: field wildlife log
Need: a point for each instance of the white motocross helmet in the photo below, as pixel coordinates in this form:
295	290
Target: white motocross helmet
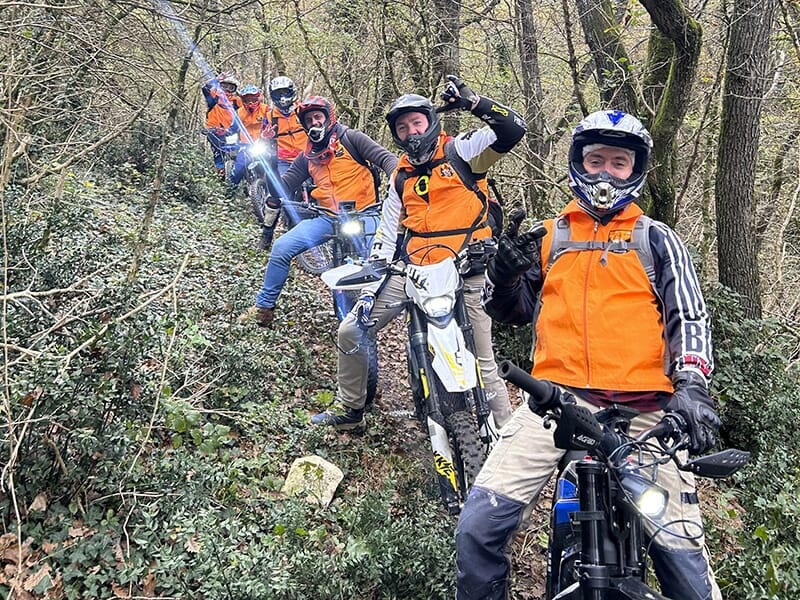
603	194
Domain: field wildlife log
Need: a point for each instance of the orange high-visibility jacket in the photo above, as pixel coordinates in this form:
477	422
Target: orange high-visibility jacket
602	324
439	209
290	135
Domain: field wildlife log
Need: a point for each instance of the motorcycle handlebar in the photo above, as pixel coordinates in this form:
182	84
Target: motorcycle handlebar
334	213
544	395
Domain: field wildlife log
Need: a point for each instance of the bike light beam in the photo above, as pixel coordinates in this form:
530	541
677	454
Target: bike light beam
165	9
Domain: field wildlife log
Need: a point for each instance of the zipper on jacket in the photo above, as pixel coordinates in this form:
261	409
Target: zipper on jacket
589	263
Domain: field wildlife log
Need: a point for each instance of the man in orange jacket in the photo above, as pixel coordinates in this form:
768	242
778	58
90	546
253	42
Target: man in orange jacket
282	124
252	125
622	320
337	176
223	102
440	216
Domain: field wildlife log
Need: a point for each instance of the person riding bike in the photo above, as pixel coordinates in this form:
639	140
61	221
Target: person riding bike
222	102
611	329
282	124
252	116
441	216
337	175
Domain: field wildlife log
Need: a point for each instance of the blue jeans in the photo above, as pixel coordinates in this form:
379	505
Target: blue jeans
306	234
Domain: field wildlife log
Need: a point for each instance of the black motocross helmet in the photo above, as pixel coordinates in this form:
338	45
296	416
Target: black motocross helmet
419	148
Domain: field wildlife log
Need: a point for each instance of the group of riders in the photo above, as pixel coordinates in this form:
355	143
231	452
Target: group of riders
618	313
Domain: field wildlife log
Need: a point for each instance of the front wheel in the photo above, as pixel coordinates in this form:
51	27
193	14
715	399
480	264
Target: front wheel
318	259
468	451
258	200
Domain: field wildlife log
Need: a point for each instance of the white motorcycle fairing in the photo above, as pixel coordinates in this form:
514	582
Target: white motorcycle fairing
453	362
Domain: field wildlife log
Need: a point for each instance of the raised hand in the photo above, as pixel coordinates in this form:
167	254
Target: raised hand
456	95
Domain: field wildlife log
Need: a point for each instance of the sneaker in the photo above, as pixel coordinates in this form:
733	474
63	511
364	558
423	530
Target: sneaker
262	317
341	419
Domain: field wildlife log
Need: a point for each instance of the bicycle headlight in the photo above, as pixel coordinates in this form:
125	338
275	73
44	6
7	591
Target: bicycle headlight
438	306
649	498
258	148
352	228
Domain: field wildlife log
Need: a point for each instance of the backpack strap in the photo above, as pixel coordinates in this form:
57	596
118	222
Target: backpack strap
467	177
561	243
353	151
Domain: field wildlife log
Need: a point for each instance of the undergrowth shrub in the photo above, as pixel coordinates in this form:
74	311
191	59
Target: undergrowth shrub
759	396
155	430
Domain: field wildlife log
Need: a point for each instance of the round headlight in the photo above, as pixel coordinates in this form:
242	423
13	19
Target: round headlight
438	306
257	148
352	227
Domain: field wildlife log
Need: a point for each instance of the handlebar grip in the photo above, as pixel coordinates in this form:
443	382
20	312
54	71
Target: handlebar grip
544	395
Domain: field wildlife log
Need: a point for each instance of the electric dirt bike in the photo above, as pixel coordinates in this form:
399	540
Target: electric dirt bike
444	375
607	491
347	244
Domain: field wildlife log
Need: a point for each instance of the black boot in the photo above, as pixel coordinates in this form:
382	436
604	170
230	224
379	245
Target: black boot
266	237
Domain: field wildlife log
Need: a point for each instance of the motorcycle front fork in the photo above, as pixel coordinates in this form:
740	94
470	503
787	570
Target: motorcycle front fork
482	408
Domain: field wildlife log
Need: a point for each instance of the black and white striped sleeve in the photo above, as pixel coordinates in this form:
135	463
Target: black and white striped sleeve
687	323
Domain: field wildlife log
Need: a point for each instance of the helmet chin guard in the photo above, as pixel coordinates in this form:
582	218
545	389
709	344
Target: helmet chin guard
602	194
317	134
418	147
283	94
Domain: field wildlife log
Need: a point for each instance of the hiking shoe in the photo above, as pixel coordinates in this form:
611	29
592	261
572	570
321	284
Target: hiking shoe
341	419
262	317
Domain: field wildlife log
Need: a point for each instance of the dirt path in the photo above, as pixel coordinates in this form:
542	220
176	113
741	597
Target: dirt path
394	400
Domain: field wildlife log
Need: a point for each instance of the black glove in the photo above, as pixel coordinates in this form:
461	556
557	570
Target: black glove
515	253
692	401
456	94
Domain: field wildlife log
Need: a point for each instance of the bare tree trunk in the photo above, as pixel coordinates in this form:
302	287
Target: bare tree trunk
445	57
532	91
612	65
738	149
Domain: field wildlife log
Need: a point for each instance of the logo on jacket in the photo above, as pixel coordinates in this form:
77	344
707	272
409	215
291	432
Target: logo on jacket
422	185
620	235
447	171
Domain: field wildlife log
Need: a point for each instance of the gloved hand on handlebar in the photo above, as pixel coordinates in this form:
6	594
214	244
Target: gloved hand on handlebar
456	94
515	253
692	401
362	310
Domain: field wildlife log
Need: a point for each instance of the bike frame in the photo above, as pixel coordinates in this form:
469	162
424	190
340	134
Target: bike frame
444	374
612	563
